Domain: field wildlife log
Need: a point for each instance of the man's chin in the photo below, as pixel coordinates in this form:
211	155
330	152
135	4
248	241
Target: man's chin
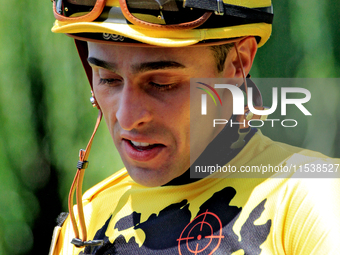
150	177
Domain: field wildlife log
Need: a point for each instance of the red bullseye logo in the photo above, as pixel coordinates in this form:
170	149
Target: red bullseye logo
198	235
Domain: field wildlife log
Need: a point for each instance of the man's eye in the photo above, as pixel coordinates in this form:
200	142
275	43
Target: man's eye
163	87
108	81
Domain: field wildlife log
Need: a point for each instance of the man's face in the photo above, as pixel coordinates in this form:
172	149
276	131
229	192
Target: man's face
144	94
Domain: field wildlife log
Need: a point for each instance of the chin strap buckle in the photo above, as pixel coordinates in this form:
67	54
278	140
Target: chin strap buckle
82	164
79	243
240	141
243	121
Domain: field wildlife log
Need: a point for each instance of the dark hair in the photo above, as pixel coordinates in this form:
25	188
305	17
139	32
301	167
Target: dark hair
220	54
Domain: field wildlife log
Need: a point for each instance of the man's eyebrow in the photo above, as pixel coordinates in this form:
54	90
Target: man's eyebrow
138	68
157	65
101	63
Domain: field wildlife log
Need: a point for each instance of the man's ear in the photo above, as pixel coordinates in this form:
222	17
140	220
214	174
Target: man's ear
247	48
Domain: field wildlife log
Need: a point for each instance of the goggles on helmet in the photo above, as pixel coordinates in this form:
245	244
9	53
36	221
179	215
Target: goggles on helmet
163	14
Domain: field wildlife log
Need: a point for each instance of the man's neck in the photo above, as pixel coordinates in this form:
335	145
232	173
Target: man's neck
218	152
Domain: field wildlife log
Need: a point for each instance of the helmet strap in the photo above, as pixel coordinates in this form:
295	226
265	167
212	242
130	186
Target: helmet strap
243	120
77	186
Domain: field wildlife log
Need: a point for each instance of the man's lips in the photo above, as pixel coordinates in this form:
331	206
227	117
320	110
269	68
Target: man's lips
142	146
141	151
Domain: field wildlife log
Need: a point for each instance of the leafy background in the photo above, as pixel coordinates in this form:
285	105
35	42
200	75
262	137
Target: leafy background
45	115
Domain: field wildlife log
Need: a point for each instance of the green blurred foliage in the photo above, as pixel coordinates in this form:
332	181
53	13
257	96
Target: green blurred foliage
46	117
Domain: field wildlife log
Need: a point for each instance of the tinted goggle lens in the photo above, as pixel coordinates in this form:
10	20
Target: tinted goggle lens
69	8
78	10
164	12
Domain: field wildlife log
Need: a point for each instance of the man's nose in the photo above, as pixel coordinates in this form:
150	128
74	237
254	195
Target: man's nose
134	109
